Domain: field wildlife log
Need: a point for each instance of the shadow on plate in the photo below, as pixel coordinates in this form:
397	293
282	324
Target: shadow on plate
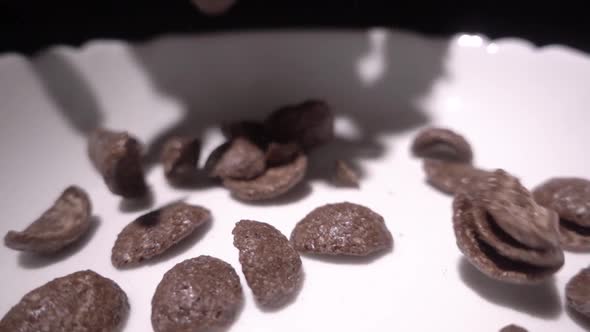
322	161
537	300
374	81
348	260
67	87
129	205
199	180
29	260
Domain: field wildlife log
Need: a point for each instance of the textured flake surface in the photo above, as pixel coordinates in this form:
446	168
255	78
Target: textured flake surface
485	257
83	301
195	295
490	233
342	229
570	198
577	292
155	232
513	208
274	182
117	156
270	264
451	177
62	224
239	159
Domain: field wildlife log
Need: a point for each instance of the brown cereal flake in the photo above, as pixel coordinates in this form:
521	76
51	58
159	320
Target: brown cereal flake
342	229
61	225
281	153
441	143
483	255
270	264
117	156
451	177
83	301
513	208
309	124
274	182
195	295
577	292
570	198
239	159
155	232
180	156
513	328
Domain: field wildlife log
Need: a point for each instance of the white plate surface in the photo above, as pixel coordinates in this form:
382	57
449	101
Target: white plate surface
524	109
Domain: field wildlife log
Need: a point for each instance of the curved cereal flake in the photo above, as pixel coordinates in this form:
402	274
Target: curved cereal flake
451	177
513	328
274	182
342	229
490	233
515	211
195	295
444	144
153	233
483	256
569	197
281	153
238	159
309	124
117	156
61	225
179	158
577	292
270	264
574	237
79	302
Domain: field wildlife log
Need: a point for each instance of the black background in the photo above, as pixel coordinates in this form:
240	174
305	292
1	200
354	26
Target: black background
28	26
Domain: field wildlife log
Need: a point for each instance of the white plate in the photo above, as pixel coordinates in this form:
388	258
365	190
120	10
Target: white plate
524	109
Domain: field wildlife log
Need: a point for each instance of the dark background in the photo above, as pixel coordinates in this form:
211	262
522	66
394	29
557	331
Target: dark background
28	26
